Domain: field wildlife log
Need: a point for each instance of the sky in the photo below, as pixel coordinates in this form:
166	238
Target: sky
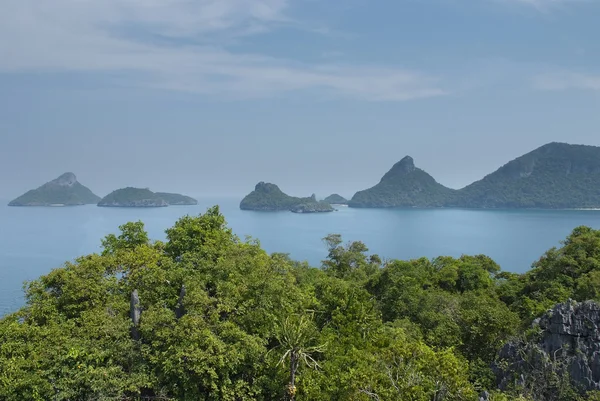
209	97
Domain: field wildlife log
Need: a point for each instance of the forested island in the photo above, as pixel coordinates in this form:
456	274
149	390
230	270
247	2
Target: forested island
554	176
207	316
404	186
132	197
268	197
62	191
143	197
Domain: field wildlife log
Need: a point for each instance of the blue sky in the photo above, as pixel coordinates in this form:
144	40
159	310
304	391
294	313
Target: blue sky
209	97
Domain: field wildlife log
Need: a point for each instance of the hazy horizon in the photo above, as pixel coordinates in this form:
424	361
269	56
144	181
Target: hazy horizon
209	97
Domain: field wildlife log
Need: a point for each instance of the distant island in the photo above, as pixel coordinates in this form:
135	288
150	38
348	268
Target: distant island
132	197
335	199
177	199
553	176
268	197
62	191
143	197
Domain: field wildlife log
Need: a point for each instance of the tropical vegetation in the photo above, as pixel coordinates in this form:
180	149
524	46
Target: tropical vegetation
205	315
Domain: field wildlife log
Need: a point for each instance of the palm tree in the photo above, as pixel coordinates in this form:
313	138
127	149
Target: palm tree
297	337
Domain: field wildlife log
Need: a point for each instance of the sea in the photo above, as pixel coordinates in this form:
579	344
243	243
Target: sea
35	240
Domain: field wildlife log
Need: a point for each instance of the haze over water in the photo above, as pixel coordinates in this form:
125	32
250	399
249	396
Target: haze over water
35	240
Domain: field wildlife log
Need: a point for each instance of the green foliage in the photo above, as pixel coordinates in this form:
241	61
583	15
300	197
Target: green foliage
65	190
572	271
220	319
205	236
132	235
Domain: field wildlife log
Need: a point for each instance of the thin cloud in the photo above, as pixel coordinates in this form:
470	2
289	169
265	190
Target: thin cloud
544	5
566	81
182	45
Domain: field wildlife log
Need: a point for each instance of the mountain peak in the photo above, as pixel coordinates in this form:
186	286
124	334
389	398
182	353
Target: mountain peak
66	180
266	187
404	185
403	167
407	164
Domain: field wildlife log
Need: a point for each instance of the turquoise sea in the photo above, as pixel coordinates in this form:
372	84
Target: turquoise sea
35	240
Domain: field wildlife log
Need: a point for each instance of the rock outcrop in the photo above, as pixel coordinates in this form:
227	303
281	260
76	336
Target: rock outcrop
135	311
566	345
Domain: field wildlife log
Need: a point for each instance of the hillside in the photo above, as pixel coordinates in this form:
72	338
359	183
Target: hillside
177	199
64	190
404	186
132	197
556	175
268	197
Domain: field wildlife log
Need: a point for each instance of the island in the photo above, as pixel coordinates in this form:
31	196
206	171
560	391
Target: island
62	191
404	185
335	199
553	176
268	197
133	197
177	199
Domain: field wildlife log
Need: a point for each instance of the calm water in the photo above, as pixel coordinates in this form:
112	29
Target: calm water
35	240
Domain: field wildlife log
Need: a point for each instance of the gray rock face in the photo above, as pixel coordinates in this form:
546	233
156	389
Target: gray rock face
66	180
569	342
180	311
135	312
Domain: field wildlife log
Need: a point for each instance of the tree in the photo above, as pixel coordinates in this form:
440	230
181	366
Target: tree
297	337
132	235
206	236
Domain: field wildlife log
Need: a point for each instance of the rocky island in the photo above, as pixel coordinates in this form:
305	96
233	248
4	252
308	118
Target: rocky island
133	197
177	199
335	199
62	191
268	197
